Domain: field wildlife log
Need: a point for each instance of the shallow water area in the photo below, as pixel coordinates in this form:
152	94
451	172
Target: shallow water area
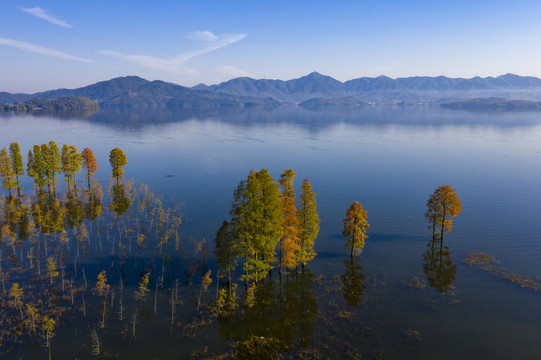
390	159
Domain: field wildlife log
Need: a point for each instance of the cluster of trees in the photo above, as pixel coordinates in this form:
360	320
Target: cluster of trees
49	249
442	206
47	162
265	220
42	276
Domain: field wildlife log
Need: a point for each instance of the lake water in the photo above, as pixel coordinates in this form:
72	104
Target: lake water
389	159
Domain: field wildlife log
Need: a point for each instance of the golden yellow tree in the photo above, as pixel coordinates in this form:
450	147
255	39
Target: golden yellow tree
355	226
90	165
102	289
308	223
442	206
289	245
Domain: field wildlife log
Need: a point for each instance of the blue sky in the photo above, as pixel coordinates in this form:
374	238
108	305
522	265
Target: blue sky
68	44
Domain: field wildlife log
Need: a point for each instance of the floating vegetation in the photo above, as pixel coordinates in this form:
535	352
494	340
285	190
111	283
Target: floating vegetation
415	282
489	264
479	259
414	334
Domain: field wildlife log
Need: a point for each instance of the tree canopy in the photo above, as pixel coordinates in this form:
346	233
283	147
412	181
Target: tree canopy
117	159
355	226
442	206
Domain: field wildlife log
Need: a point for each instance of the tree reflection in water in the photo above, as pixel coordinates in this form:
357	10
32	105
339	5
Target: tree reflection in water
438	266
352	280
281	317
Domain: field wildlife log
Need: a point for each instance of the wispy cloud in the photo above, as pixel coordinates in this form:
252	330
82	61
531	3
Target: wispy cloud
201	36
178	63
233	71
39	49
42	14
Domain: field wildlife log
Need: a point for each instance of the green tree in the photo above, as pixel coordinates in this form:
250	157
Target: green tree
71	162
290	243
226	252
117	159
52	161
17	164
308	223
257	219
6	171
355	226
35	167
442	206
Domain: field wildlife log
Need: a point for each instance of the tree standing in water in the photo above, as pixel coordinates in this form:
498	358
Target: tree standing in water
17	164
442	206
289	244
90	165
6	171
308	220
117	159
71	164
355	226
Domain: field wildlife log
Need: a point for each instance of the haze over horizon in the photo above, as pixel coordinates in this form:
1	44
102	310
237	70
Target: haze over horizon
64	44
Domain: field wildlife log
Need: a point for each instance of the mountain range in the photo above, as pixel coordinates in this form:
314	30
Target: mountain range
133	91
383	89
244	92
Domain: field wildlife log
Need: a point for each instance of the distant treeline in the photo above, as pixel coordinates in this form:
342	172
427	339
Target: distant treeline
64	104
495	104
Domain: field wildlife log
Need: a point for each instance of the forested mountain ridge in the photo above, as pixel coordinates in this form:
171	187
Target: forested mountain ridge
383	89
244	92
70	103
133	91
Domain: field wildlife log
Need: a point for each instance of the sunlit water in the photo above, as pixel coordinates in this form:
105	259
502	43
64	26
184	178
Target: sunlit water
390	160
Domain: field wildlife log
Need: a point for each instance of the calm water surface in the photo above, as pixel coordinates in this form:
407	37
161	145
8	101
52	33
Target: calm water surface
390	160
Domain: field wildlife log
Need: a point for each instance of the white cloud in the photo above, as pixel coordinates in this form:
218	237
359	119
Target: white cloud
177	64
42	14
39	49
233	71
201	36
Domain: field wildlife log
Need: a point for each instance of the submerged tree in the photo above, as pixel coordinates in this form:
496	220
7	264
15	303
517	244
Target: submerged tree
308	223
117	159
289	244
226	251
71	164
90	165
442	206
6	171
35	167
52	161
102	290
257	219
17	164
355	226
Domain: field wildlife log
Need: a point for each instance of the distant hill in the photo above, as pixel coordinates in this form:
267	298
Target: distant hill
64	104
493	104
133	91
383	89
